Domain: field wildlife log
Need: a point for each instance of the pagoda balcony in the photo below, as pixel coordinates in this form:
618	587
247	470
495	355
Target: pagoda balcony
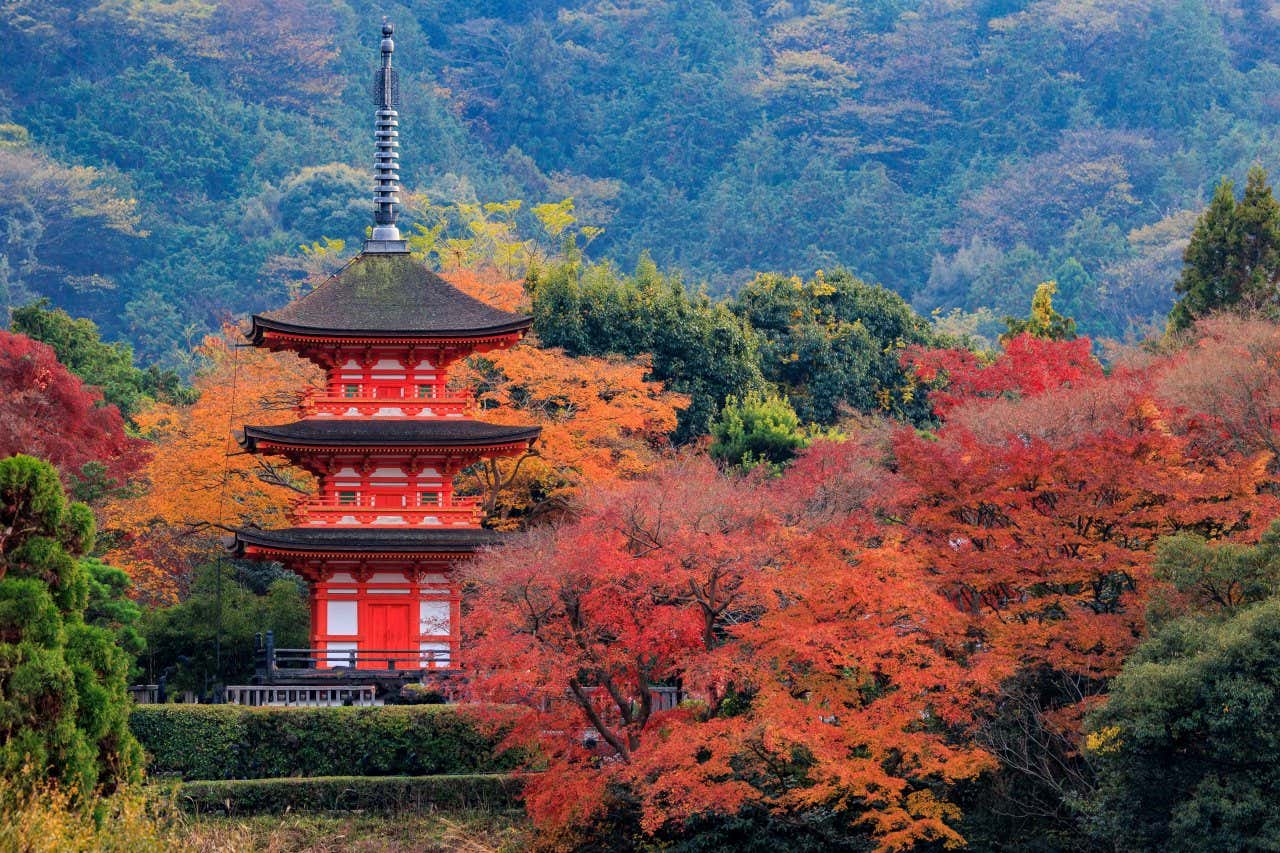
455	511
324	404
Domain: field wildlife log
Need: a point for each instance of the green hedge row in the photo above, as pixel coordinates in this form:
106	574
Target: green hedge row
350	793
234	742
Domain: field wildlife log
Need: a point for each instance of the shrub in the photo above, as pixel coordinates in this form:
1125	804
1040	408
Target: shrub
49	819
62	681
350	793
756	429
233	742
419	694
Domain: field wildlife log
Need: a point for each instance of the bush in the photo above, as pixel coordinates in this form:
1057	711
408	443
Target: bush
48	819
756	429
62	681
233	742
350	793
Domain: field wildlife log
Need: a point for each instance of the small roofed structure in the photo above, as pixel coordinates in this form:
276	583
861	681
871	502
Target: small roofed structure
380	540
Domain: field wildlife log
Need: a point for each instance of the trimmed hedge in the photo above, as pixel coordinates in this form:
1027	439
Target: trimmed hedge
350	793
235	742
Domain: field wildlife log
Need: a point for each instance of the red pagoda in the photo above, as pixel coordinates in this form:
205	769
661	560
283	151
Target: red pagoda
379	541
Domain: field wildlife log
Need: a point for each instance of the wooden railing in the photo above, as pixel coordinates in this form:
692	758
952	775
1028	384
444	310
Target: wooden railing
451	511
324	403
273	661
261	695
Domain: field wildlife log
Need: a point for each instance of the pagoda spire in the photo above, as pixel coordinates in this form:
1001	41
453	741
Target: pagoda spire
386	195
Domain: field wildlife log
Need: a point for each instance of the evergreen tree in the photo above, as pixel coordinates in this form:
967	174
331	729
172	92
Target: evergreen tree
699	347
1045	322
834	343
181	638
1187	746
756	429
1233	258
63	705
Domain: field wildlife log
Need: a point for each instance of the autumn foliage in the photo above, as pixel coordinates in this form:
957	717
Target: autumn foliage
1025	367
846	636
602	419
47	412
198	477
808	657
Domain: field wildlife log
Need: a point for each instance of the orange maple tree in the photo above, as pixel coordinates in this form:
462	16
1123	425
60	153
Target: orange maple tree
848	637
1037	505
601	419
808	659
197	476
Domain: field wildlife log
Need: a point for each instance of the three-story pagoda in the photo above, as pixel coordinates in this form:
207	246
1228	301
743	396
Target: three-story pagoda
379	541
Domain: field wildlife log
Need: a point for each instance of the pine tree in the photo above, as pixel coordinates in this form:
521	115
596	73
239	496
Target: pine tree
1258	261
757	428
1233	259
63	706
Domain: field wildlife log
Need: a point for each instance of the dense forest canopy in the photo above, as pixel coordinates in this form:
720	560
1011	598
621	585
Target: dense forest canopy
957	152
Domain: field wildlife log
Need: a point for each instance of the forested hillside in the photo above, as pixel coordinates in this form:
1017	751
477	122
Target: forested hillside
161	163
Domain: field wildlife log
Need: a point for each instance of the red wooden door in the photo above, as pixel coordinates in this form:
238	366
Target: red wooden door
387	629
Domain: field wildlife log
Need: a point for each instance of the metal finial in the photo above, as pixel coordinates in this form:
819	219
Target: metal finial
386	193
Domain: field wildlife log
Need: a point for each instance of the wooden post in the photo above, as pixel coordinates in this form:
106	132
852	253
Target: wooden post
271	657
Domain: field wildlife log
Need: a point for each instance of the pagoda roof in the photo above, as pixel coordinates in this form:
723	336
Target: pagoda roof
381	295
388	432
366	540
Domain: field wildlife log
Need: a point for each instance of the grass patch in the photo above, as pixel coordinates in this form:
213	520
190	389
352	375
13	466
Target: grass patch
473	831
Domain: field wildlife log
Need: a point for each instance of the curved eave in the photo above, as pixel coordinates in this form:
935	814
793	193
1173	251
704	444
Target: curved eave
262	327
254	441
252	543
279	449
284	555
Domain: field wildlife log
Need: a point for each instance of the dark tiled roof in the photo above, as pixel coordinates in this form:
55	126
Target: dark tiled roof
375	540
389	432
380	295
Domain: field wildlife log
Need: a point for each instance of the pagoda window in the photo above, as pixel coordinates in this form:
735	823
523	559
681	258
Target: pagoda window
341	618
428	499
350	390
435	617
426	392
348	498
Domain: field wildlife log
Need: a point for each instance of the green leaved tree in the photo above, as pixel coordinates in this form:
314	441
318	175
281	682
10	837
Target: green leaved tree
63	705
834	343
1233	259
757	428
1187	746
107	365
699	347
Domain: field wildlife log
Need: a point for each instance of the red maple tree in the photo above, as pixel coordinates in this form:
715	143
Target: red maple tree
807	659
1025	367
47	412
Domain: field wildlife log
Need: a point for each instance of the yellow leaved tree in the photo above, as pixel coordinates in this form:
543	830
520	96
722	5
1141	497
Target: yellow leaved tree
198	477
